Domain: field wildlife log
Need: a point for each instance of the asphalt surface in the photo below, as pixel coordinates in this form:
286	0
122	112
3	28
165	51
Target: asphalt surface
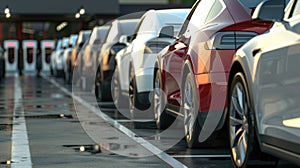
64	129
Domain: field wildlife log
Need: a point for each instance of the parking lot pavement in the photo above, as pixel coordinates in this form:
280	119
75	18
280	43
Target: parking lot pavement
60	137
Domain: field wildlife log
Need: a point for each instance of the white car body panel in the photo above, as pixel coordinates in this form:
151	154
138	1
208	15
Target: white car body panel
274	79
59	55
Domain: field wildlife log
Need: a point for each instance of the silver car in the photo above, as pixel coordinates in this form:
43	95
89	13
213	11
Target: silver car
264	90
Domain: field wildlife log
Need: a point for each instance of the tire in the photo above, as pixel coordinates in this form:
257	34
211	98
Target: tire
68	77
135	104
116	89
244	146
162	119
98	90
59	73
3	69
190	111
65	76
51	71
101	91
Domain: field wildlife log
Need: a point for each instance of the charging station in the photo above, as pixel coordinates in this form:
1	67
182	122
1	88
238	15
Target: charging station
29	54
11	55
47	46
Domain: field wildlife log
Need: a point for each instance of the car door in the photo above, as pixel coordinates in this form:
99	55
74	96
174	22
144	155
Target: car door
278	83
174	61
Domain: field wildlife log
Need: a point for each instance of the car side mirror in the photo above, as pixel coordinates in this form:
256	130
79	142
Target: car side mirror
166	32
124	39
81	44
271	10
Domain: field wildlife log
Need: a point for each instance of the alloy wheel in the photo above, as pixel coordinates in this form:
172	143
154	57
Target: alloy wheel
131	92
116	88
158	100
190	111
238	124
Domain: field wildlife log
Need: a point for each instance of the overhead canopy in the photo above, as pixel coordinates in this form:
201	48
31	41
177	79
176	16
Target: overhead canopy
60	7
57	10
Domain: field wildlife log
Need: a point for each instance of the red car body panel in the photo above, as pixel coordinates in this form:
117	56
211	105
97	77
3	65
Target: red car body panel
210	66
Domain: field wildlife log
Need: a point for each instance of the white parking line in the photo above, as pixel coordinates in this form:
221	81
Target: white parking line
128	121
201	156
20	153
153	149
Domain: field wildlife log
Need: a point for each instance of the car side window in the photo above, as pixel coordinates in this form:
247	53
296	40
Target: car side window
187	20
148	24
216	9
199	16
137	29
93	36
97	41
296	9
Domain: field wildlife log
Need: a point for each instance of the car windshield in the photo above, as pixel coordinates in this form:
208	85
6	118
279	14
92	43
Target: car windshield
65	42
250	3
73	39
58	44
121	27
253	3
102	33
86	35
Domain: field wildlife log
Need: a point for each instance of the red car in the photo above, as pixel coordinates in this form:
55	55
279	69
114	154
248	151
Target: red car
191	74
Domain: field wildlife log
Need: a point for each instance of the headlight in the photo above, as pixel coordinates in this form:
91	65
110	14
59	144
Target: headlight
230	40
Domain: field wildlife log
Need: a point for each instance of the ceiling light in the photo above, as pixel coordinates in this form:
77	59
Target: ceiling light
77	15
7	15
82	11
61	26
6	10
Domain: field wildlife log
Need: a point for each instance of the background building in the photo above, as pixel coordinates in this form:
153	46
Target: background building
51	19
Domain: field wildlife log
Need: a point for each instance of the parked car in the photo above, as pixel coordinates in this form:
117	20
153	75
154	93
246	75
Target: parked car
264	90
135	63
191	76
57	50
106	58
88	61
67	55
71	56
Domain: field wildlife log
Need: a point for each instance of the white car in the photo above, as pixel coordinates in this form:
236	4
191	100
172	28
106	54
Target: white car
264	90
135	63
53	55
58	58
67	54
